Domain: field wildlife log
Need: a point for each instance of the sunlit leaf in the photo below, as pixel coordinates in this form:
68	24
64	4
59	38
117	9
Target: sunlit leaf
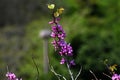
56	14
105	61
51	6
60	10
113	67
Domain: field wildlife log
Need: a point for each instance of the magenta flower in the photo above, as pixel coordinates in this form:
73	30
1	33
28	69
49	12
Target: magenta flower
55	44
11	76
53	35
72	62
55	21
66	49
58	32
116	77
62	61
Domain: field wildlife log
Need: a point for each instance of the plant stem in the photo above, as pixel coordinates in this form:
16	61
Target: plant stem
58	75
78	74
93	75
71	74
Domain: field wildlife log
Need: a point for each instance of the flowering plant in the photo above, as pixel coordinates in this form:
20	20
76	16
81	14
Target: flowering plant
64	49
58	34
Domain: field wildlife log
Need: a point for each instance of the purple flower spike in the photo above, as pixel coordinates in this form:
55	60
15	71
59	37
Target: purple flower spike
60	45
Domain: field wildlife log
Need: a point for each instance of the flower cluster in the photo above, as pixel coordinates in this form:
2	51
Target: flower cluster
116	77
11	76
58	34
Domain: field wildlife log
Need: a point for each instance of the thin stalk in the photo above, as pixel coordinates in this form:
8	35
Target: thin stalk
78	74
58	75
37	78
93	75
107	75
70	72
